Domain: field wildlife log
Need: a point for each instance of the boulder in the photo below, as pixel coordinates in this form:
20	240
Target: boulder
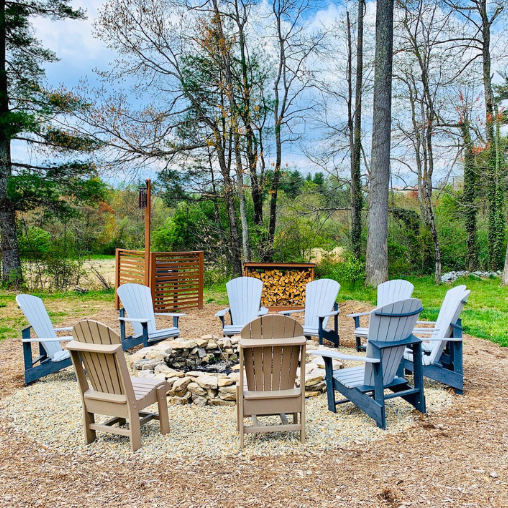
221	402
195	389
180	400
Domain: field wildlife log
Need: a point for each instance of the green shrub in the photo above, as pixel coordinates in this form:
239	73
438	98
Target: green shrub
349	273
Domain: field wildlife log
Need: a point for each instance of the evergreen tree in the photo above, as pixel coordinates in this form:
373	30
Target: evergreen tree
29	114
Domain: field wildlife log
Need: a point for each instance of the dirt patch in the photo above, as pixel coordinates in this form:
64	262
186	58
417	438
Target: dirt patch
458	457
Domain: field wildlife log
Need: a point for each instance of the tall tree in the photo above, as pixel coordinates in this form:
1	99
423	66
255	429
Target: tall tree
377	239
356	148
29	113
294	47
481	16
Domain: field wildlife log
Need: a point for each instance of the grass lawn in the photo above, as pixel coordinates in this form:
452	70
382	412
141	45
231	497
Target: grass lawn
485	315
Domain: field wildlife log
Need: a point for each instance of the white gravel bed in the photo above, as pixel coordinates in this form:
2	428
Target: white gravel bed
50	412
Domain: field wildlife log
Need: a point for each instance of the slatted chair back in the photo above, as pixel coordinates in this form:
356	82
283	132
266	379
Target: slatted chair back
450	311
390	323
107	370
244	294
272	368
393	291
320	297
37	315
272	327
137	301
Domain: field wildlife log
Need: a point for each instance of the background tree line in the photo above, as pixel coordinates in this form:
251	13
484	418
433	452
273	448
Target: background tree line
220	94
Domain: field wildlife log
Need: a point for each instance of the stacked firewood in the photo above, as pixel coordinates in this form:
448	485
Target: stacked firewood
283	288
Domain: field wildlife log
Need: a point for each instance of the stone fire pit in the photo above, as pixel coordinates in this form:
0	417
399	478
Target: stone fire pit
204	371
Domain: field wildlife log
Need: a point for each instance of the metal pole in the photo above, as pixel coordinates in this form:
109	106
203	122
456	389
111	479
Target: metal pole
148	213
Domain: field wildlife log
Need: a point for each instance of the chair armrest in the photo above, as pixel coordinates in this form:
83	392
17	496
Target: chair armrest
52	339
263	311
288	312
133	319
446	339
340	356
171	314
333	313
291	341
221	313
358	314
426	322
93	348
66	329
396	343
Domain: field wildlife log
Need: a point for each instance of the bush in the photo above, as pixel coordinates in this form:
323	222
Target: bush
349	273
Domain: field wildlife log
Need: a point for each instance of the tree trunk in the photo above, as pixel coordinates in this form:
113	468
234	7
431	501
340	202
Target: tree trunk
241	198
356	184
504	278
11	263
377	240
469	197
496	214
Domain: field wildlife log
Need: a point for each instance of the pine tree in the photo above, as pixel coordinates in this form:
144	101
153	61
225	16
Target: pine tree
29	114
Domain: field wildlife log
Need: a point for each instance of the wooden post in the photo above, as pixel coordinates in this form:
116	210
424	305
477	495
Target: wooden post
117	277
153	279
148	213
201	277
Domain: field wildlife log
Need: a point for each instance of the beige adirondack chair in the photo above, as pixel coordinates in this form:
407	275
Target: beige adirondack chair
97	349
270	350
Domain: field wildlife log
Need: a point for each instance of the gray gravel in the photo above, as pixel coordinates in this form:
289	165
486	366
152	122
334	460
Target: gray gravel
50	412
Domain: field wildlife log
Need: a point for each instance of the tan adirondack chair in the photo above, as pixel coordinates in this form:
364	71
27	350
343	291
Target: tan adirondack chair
97	349
270	350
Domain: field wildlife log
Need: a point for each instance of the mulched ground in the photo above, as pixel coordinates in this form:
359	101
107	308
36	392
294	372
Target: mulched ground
458	457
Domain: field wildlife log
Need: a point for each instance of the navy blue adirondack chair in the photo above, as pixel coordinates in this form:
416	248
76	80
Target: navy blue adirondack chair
52	357
320	306
442	350
137	301
390	333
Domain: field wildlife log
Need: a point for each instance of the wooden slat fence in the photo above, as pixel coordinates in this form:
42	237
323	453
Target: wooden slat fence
175	278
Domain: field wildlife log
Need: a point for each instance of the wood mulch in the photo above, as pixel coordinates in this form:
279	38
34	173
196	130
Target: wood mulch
458	457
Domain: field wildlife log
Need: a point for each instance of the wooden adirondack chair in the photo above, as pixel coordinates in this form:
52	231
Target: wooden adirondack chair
137	302
445	366
52	357
320	305
97	349
270	349
244	295
390	333
387	292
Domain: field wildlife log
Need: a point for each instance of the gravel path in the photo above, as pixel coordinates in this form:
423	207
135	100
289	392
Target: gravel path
457	455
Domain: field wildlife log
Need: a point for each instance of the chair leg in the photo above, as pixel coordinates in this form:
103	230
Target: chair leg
163	410
90	435
238	408
135	431
302	422
240	419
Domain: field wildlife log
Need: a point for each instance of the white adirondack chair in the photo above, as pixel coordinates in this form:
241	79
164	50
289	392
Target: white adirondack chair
137	302
244	295
387	292
390	333
52	357
320	305
446	331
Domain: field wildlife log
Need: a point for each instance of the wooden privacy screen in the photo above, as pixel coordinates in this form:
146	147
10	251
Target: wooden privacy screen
283	283
175	278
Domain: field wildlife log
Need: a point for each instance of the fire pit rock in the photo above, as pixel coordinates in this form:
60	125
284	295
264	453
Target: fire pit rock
204	371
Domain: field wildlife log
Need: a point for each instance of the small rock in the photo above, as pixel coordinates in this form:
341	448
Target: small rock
199	400
227	393
494	475
207	382
195	389
221	402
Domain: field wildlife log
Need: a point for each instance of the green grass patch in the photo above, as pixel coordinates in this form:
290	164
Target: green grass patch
73	304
